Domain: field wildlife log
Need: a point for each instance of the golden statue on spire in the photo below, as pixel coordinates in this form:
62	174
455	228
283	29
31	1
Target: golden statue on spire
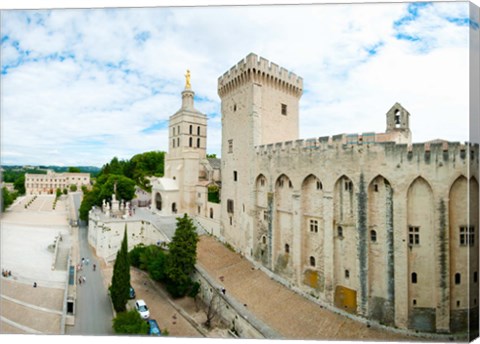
187	80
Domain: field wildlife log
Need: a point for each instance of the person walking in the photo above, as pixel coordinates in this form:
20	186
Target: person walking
94	267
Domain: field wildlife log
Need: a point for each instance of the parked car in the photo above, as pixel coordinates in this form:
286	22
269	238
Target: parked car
153	328
142	308
131	293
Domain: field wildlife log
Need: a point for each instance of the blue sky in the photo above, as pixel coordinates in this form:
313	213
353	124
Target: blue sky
80	86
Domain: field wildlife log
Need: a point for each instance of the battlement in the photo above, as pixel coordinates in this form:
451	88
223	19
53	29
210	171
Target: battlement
260	70
442	150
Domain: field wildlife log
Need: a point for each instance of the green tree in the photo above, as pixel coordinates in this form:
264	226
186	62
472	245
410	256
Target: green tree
211	156
135	254
65	191
73	188
129	323
74	170
182	257
58	192
120	287
19	184
7	198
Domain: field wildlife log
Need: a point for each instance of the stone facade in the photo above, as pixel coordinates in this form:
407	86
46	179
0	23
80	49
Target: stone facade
369	223
38	184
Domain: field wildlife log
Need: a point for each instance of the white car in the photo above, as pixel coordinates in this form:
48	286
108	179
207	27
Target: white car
142	309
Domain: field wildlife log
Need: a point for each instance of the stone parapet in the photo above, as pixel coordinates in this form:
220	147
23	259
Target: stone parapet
262	71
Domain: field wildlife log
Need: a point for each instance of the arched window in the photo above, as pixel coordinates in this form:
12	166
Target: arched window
158	201
373	236
198	131
457	278
190	142
312	261
174	207
414	277
198	143
191	130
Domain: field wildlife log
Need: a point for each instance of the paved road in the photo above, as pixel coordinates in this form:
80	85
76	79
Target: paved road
93	315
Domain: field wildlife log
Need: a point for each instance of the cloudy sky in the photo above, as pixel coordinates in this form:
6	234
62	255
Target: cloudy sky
80	86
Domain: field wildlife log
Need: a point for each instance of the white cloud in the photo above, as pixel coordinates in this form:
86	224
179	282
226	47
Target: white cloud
82	86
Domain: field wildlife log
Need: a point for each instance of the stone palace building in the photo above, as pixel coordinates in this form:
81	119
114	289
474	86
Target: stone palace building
368	223
38	184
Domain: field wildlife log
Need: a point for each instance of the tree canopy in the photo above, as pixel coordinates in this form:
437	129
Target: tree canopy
120	287
129	323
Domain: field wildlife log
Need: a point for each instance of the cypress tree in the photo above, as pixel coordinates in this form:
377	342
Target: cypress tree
182	257
120	287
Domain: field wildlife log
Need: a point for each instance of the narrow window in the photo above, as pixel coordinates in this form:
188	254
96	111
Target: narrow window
340	231
211	213
264	240
414	302
475	277
230	206
234	107
230	146
231	220
290	185
414	278
178	142
198	143
198	131
173	131
319	185
284	109
312	261
458	303
373	236
191	130
375	187
234	176
190	142
413	235
458	278
198	209
178	130
287	248
314	226
173	143
347	273
265	215
262	182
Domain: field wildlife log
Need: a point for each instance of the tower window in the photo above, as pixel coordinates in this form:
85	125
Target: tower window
458	278
348	185
234	107
173	131
173	141
373	236
375	187
230	146
414	278
191	129
340	231
190	142
230	206
178	129
198	143
414	235
467	235
319	185
287	248
414	302
264	240
284	109
211	213
347	273
198	131
235	176
314	226
312	261
178	142
475	277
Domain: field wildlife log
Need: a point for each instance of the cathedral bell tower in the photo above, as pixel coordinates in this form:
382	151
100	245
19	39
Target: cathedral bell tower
398	124
187	147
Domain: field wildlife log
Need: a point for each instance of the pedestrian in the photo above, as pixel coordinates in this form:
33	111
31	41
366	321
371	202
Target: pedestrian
94	267
79	279
34	284
223	291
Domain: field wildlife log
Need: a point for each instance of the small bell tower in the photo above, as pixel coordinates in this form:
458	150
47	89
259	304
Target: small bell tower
398	124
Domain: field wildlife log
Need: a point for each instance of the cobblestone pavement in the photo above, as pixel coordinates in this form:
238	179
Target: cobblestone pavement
290	314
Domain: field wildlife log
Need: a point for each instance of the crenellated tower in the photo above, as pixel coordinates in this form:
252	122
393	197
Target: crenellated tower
260	105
